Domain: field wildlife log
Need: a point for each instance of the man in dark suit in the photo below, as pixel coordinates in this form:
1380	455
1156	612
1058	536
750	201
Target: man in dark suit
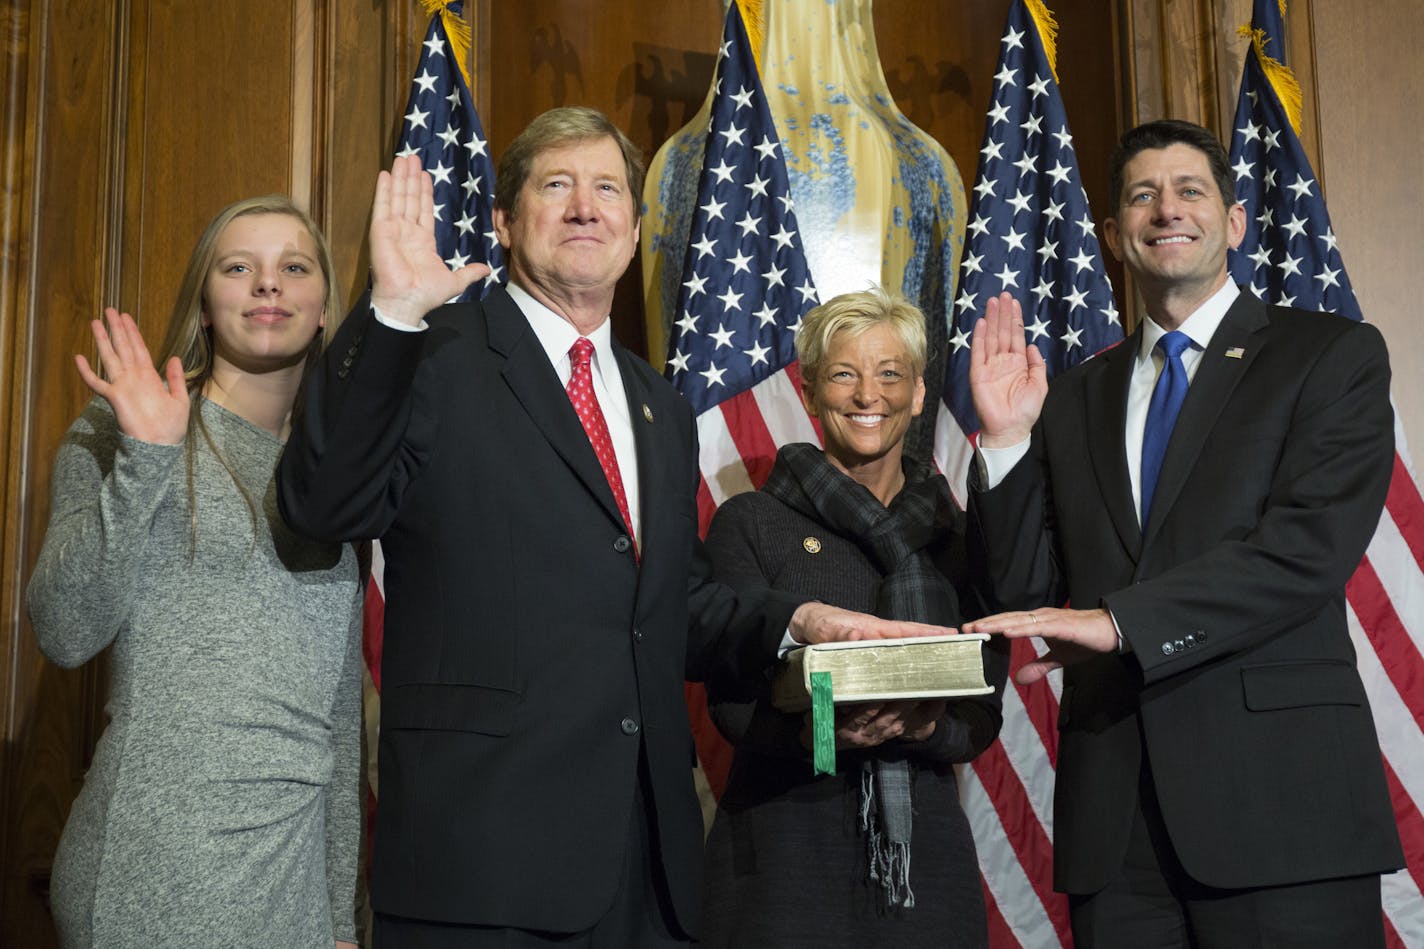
1200	504
546	591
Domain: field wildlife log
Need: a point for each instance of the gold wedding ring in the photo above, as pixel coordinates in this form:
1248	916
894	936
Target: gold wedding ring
1033	618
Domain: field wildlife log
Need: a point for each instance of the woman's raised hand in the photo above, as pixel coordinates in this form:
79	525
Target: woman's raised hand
147	407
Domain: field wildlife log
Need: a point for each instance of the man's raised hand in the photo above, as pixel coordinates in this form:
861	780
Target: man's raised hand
1007	377
408	278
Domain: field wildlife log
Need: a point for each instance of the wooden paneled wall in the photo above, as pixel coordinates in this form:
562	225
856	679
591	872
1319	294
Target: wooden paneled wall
125	125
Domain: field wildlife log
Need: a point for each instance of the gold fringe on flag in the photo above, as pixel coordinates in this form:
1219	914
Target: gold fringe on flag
457	30
1279	75
755	26
1047	32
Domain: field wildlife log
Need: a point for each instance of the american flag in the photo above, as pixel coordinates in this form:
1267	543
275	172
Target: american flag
1030	233
1290	256
442	127
746	286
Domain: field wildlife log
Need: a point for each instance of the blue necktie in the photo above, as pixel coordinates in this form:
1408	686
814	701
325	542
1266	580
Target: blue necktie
1162	412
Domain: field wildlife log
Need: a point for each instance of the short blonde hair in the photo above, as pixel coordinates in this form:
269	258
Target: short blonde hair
855	313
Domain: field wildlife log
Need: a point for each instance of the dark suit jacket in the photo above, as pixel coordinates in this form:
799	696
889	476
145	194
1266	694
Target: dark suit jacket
1241	683
528	652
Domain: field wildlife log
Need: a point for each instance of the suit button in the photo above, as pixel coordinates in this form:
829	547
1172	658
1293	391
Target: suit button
1179	646
629	726
1191	640
1167	649
342	373
1201	635
622	544
637	635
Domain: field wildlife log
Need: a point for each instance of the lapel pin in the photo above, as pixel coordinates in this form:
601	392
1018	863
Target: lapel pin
812	545
647	412
1235	352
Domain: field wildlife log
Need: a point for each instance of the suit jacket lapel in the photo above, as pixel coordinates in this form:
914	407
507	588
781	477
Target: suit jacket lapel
1216	378
1106	408
653	455
534	383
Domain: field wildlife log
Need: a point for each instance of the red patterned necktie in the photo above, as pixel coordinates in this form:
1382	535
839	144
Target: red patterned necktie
589	413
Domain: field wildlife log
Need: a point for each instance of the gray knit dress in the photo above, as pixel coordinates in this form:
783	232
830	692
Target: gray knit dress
222	807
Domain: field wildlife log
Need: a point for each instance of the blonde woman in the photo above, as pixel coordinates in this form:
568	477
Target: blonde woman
799	859
222	805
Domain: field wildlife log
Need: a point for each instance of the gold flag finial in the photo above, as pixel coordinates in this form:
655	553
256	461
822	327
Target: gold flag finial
1047	32
1279	75
457	31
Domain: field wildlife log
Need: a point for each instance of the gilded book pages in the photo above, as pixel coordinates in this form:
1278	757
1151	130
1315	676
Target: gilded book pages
932	667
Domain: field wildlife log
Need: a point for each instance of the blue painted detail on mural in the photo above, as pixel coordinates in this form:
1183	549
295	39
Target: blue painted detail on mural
823	185
928	278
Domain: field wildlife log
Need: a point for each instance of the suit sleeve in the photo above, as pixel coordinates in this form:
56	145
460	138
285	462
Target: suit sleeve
1325	497
741	708
1011	538
350	455
732	633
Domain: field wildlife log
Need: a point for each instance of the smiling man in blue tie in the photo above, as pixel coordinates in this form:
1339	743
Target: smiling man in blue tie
1198	496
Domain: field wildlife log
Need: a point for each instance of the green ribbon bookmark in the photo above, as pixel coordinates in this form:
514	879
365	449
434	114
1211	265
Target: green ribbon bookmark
823	724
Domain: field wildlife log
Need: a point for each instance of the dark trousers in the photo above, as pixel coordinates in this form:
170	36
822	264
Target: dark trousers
641	916
1153	902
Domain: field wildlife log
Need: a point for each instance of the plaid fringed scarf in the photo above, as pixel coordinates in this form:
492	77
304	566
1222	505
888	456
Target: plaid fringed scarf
894	540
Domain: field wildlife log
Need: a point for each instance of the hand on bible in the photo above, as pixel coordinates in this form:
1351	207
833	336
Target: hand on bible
819	623
870	724
408	278
1071	636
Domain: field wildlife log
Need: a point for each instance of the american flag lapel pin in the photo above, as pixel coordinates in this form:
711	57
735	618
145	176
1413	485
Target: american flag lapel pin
1235	352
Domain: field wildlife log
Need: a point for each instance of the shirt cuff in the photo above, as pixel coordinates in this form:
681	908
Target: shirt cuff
998	462
787	644
1123	646
397	324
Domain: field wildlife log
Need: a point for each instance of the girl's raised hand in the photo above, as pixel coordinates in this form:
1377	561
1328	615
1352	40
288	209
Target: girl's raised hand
147	407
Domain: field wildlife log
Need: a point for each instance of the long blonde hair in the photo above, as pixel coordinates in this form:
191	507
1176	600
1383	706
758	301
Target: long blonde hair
192	342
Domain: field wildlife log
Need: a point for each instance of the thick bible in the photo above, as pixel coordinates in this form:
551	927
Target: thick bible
871	670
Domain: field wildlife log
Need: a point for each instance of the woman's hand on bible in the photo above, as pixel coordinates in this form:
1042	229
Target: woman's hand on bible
869	725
